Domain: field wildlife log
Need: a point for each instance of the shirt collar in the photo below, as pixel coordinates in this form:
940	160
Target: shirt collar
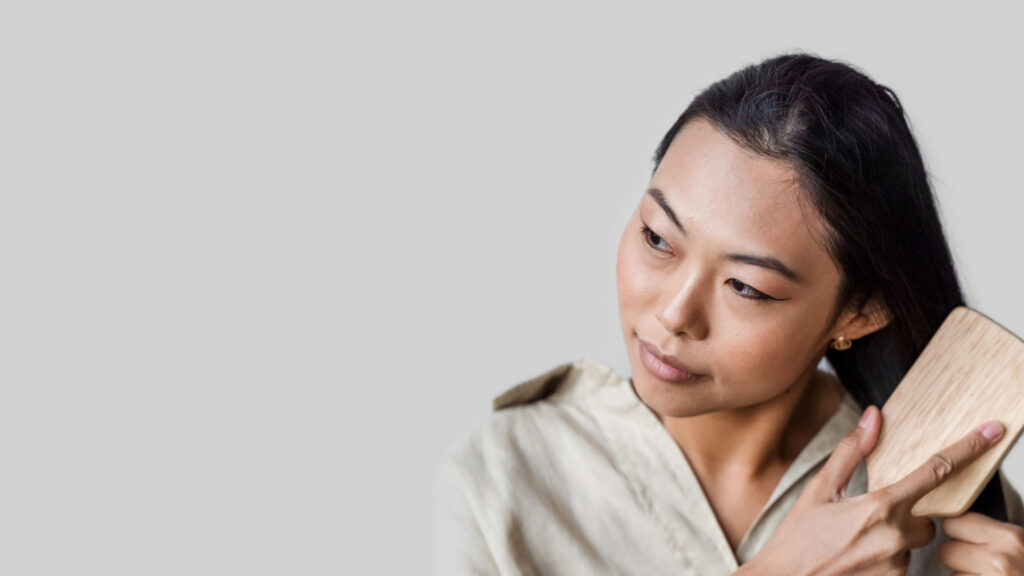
666	483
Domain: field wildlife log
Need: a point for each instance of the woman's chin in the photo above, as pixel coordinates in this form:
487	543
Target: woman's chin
668	400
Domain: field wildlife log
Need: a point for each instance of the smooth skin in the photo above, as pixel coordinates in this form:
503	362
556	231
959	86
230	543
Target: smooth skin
695	281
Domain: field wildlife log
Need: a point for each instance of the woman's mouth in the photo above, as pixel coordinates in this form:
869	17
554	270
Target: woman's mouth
657	365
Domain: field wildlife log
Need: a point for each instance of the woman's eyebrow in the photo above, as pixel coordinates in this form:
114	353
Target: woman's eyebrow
763	261
659	197
766	262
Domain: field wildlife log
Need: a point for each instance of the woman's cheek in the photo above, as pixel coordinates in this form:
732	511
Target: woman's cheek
754	356
746	360
623	271
636	283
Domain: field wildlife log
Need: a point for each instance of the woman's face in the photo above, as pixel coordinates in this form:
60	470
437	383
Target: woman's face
743	297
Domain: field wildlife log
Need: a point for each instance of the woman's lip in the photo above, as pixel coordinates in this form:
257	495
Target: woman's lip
665	367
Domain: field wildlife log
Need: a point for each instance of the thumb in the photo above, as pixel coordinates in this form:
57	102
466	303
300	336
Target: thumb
831	481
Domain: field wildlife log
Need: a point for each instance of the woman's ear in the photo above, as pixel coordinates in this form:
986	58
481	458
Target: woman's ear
854	324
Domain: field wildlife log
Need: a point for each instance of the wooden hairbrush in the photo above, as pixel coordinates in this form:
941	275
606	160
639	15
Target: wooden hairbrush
971	371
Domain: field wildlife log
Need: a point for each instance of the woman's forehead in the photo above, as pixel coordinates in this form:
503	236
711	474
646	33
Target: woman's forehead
702	156
738	198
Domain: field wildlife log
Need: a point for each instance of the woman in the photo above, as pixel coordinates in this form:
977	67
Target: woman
789	218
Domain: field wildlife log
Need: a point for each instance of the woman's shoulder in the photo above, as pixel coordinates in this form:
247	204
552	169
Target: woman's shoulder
534	420
568	383
538	486
536	388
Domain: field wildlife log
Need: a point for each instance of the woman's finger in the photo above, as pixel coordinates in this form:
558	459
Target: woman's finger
834	476
944	464
976	528
922	531
964	557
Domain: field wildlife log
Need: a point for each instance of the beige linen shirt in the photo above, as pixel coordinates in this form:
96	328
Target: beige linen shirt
574	474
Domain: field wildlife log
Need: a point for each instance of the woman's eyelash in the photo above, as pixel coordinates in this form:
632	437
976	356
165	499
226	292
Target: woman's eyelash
744	290
648	234
755	294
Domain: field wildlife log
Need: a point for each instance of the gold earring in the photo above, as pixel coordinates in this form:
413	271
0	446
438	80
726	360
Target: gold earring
841	343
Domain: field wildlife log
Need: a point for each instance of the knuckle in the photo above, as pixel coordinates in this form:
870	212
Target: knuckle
941	466
898	541
976	443
849	443
1000	564
1015	537
837	494
883	506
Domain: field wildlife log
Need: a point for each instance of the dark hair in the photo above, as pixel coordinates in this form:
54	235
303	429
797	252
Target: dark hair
848	140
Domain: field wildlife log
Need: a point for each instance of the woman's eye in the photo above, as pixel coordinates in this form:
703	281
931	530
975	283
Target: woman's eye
748	291
652	239
744	290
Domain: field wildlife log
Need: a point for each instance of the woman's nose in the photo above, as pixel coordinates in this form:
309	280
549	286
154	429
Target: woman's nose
685	312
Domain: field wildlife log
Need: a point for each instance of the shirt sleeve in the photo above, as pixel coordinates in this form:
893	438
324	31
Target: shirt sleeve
1014	507
460	548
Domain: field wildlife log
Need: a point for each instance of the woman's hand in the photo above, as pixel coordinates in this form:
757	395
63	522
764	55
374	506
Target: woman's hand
828	534
983	546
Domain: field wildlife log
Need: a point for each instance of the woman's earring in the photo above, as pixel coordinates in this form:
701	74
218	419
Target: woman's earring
841	343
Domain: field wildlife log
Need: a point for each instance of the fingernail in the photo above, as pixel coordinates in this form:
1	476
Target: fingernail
864	418
992	430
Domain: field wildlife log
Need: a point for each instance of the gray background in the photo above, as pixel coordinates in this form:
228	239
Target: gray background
263	260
